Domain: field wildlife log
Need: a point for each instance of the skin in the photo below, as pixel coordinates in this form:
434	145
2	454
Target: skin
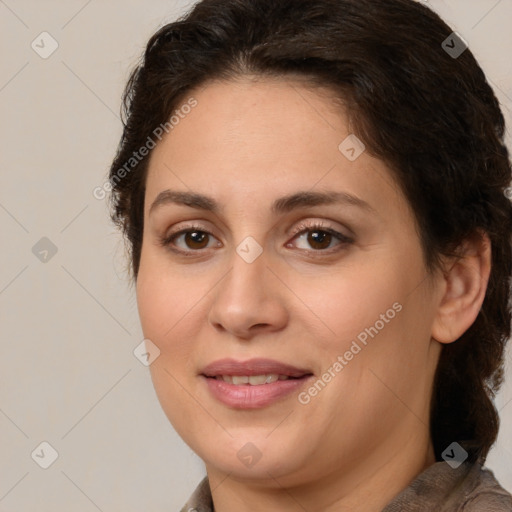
364	437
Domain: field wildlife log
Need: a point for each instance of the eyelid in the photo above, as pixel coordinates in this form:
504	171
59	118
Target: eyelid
166	239
321	226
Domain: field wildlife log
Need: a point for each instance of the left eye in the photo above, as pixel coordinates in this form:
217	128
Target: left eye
320	238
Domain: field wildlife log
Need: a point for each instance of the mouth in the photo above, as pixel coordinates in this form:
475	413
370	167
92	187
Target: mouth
254	383
252	380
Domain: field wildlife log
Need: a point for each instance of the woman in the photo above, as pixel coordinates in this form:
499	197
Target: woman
315	200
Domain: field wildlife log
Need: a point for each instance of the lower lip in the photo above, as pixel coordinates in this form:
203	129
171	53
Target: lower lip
247	396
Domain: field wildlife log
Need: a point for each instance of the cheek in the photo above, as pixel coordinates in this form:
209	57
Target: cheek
376	317
352	301
165	305
164	299
378	322
172	312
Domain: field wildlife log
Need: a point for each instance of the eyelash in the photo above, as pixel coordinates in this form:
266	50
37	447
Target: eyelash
166	240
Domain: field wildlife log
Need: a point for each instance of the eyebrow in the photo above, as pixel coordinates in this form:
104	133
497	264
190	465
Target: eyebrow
302	199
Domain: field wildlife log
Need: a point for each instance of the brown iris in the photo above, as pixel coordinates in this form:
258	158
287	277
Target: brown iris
319	237
200	238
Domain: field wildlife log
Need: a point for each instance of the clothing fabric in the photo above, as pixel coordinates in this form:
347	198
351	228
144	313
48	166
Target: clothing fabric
440	488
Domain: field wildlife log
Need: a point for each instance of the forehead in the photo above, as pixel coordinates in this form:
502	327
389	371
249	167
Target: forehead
247	138
260	112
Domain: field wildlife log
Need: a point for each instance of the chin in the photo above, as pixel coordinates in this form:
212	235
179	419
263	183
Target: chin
251	457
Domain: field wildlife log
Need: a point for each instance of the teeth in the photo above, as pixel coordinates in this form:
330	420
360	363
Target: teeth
257	380
252	380
239	379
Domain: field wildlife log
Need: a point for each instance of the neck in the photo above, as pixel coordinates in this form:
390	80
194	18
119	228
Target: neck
365	486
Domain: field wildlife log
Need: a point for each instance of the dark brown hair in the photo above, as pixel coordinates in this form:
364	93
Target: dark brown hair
431	116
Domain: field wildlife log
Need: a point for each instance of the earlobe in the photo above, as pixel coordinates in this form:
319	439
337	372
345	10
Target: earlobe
465	284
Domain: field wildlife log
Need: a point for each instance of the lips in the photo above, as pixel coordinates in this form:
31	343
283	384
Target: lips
254	383
252	367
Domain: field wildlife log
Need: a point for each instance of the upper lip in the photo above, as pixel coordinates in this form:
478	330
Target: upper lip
258	366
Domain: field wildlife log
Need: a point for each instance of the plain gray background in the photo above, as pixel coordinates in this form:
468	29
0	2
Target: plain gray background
69	324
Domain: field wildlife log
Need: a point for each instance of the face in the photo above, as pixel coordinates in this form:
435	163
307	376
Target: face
290	302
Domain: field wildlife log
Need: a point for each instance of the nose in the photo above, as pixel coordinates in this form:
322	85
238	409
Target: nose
249	300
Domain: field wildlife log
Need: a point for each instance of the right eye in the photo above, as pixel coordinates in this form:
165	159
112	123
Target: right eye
194	238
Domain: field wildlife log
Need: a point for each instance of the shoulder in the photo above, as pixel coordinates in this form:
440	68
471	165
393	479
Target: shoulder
201	498
487	495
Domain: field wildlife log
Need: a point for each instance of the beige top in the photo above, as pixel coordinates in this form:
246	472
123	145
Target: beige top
469	488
